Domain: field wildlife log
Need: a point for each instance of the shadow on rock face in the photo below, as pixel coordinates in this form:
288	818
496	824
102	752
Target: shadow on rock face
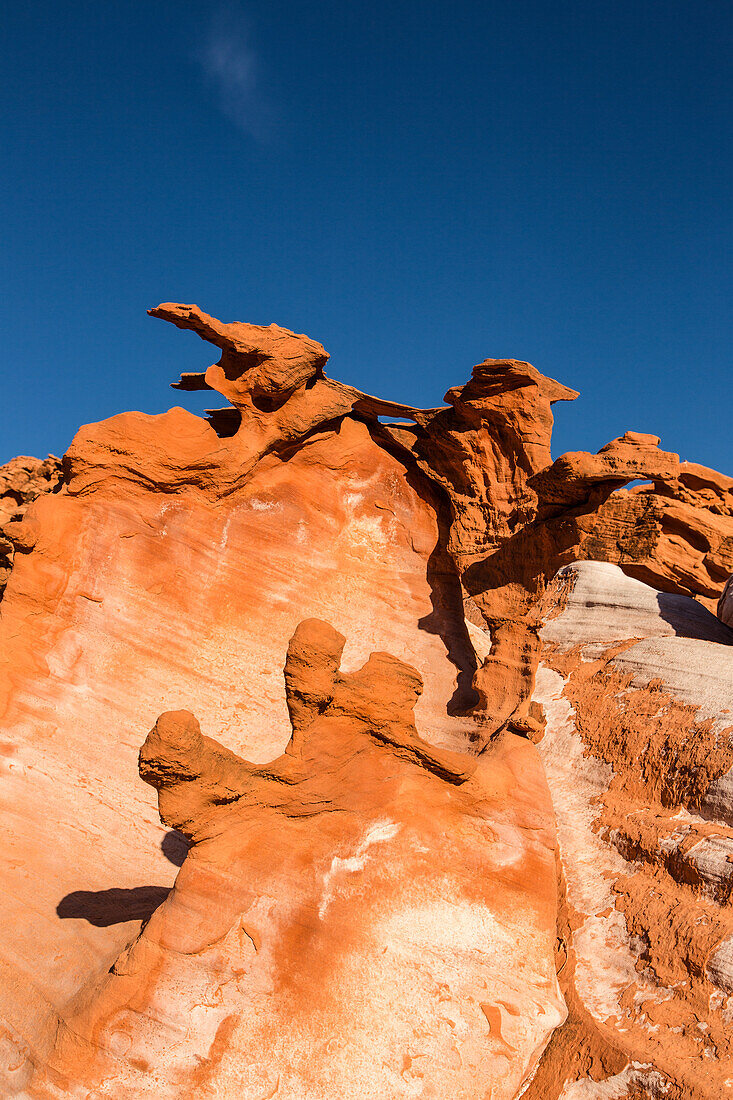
691	620
104	907
174	847
446	618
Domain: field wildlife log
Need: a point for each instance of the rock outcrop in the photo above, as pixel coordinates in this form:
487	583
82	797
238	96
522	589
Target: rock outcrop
349	920
499	756
637	688
22	480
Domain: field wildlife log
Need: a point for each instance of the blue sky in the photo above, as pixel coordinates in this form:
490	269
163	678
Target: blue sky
417	185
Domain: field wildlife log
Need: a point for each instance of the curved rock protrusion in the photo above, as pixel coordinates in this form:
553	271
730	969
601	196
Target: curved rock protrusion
347	920
263	362
196	778
516	517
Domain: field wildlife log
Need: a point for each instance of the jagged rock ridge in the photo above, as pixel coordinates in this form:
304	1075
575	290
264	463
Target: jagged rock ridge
171	572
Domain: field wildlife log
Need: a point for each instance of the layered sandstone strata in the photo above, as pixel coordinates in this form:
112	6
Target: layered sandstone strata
637	689
366	915
371	862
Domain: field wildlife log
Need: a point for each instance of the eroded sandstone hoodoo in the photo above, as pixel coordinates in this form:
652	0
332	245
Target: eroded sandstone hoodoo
173	565
352	918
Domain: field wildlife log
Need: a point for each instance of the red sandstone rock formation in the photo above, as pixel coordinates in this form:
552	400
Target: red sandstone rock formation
349	921
22	480
369	903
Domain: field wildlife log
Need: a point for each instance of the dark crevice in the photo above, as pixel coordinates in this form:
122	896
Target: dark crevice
270	402
288	449
226	422
446	618
236	363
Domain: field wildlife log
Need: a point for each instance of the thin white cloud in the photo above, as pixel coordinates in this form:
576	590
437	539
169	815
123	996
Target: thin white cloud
232	70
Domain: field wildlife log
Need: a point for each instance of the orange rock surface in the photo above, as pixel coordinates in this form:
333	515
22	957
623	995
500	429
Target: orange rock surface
352	918
377	873
22	480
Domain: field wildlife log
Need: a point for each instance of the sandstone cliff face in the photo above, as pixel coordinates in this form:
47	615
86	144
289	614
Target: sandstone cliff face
479	802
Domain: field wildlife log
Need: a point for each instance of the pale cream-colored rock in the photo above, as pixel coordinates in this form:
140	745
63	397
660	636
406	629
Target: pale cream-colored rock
637	690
